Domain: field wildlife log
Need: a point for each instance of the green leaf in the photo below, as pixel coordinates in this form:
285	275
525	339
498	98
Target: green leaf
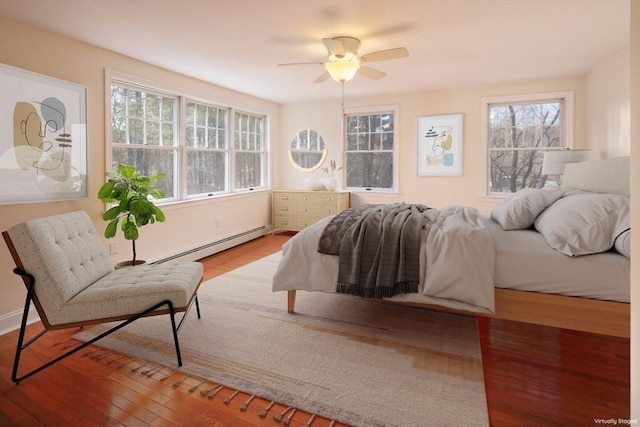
158	177
130	230
111	228
105	192
159	214
111	213
127	171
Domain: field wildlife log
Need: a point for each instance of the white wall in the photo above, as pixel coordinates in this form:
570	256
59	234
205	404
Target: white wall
188	225
432	191
608	107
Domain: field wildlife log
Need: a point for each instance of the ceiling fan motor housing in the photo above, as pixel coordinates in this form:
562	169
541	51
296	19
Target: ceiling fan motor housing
345	49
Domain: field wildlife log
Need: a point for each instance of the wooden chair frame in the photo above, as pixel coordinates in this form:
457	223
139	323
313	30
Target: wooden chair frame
30	282
151	311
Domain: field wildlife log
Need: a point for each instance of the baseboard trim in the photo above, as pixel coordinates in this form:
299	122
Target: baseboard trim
216	246
11	321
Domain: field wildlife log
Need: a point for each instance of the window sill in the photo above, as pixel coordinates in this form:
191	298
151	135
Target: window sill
493	197
217	197
374	192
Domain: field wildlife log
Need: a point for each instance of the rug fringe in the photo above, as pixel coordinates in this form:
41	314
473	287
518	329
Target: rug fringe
285	417
266	410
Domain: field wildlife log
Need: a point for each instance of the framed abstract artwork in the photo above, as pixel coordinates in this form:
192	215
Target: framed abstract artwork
43	138
440	148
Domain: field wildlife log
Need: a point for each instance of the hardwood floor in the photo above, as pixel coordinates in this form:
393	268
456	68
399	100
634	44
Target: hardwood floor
534	375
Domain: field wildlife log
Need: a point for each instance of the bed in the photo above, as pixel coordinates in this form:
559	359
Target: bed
531	268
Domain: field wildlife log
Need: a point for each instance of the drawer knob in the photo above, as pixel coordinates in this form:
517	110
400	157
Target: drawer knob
284	198
304	197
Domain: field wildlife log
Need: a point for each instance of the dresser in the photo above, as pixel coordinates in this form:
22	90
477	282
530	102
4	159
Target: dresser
294	210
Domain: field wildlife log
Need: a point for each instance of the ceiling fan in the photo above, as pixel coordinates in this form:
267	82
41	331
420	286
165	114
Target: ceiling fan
344	61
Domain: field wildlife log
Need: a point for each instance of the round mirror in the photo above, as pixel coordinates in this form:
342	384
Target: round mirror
307	152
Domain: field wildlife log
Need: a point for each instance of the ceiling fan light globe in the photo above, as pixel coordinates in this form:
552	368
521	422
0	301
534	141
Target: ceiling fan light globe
342	71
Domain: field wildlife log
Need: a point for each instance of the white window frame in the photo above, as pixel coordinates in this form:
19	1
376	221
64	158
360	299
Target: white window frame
187	149
264	152
177	133
395	109
180	177
567	122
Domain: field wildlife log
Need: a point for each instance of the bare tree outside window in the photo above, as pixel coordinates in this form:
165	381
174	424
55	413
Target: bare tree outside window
518	136
369	150
143	133
249	151
207	149
196	155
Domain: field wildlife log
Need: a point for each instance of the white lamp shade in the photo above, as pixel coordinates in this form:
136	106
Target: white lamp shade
342	70
554	161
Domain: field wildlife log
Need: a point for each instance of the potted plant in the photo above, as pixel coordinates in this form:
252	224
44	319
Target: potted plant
132	196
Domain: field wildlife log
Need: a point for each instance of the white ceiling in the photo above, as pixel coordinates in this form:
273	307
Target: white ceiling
238	44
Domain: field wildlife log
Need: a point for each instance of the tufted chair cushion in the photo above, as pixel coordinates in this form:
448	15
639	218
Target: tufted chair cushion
76	282
64	254
135	289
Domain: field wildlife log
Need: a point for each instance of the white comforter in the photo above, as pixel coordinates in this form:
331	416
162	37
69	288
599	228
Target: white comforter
457	259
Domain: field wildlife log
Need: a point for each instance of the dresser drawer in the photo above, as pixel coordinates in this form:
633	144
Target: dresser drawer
284	196
323	197
305	221
285	207
316	210
285	222
295	210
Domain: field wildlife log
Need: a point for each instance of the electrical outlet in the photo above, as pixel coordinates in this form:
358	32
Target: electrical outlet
217	222
113	248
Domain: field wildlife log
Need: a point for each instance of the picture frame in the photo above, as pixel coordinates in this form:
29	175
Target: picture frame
43	138
440	145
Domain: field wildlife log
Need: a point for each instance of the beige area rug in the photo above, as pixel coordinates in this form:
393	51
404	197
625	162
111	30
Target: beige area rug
357	361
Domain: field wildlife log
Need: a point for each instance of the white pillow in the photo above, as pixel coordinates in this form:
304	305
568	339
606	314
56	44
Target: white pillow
623	243
520	209
586	223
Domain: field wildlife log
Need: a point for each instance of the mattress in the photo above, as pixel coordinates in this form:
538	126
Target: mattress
524	261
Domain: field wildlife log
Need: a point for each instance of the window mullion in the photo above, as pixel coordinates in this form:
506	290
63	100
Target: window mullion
231	148
182	149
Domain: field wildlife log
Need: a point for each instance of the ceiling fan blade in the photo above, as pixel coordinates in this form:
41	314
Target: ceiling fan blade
383	55
335	47
371	73
301	63
322	77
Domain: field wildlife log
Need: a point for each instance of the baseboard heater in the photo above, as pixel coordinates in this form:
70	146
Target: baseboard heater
215	247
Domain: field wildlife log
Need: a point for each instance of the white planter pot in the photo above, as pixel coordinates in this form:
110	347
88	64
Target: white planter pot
313	182
330	183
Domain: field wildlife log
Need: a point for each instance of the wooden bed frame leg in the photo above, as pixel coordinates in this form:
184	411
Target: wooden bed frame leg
291	301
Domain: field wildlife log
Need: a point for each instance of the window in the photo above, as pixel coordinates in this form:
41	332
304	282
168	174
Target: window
207	149
144	127
370	141
189	141
249	151
519	130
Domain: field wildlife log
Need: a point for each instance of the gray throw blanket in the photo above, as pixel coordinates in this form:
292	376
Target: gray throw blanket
379	248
